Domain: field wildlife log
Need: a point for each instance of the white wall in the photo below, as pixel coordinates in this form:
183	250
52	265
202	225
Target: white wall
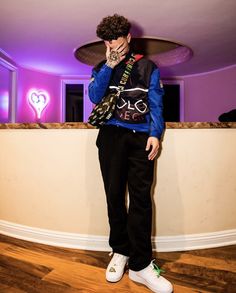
50	179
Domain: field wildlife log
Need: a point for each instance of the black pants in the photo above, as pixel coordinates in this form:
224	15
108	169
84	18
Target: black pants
123	159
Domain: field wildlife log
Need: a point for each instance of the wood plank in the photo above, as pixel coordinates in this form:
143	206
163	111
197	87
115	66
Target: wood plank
22	281
4	245
3	287
8	289
35	257
81	275
196	283
208	262
98	258
183	289
94	279
76	275
22	265
36	268
218	276
226	252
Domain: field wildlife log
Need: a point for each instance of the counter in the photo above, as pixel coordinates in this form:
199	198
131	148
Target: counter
51	188
81	125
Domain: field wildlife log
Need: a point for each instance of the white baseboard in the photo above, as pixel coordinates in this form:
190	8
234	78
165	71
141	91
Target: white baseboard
100	243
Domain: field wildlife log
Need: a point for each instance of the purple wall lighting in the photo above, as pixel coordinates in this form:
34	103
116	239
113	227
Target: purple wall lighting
4	94
4	106
39	97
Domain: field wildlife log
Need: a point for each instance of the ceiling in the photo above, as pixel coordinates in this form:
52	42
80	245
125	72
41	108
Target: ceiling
43	34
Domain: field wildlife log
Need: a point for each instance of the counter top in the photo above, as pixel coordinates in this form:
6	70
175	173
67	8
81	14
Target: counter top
81	125
199	125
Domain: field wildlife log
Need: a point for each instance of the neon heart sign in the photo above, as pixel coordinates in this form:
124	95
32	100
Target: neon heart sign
38	101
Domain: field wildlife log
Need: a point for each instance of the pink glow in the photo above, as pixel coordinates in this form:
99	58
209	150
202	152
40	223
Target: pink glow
38	100
4	107
4	94
28	80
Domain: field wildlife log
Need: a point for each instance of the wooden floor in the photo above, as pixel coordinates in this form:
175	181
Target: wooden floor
37	268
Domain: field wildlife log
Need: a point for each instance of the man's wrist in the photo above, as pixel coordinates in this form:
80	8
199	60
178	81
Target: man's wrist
155	134
110	64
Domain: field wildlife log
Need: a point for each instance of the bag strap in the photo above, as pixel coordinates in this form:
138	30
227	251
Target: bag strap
129	65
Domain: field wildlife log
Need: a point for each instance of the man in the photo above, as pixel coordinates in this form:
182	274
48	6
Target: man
127	145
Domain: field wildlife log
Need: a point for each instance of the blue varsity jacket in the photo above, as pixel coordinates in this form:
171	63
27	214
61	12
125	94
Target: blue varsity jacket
140	105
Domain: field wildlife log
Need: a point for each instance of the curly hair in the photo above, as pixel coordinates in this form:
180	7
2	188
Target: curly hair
113	27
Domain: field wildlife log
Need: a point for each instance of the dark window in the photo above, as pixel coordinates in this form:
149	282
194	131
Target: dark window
171	103
74	102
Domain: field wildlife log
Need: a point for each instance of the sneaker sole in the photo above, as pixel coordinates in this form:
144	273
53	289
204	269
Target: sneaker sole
114	281
137	279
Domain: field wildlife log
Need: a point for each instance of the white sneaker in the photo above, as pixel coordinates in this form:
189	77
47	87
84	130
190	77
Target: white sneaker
150	277
116	267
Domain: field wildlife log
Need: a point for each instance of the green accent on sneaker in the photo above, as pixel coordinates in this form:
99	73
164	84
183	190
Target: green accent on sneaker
157	270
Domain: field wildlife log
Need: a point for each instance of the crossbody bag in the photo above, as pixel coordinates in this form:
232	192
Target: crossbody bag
103	111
